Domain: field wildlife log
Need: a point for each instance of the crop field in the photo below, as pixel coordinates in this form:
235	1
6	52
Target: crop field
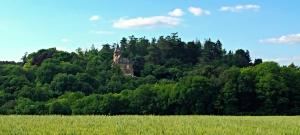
153	125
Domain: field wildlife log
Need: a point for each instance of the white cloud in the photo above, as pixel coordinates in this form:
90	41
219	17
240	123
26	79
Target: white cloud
239	8
94	18
198	11
65	40
285	39
59	48
176	12
286	60
102	32
146	22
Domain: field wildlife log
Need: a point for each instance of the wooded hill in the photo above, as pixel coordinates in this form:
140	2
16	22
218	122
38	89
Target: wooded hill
170	77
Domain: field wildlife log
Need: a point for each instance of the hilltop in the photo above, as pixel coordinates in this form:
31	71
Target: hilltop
169	76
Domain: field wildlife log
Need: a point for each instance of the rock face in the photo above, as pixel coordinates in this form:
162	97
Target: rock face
124	63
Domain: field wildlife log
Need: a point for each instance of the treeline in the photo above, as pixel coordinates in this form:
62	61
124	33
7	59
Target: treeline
10	62
171	77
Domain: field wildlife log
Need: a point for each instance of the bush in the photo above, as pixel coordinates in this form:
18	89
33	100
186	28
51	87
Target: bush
60	108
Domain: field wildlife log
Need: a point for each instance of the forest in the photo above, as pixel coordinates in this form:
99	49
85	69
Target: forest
171	77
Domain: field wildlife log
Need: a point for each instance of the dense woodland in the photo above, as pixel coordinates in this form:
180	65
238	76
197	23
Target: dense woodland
170	77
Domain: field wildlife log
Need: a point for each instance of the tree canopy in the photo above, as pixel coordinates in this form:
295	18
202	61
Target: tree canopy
170	77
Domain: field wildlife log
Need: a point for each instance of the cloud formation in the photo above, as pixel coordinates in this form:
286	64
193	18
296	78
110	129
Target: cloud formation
176	12
285	39
287	60
94	18
198	11
65	40
239	8
61	48
146	22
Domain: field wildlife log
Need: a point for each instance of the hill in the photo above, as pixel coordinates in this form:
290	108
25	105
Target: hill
170	76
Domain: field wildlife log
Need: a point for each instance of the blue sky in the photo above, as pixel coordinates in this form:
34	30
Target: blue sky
269	29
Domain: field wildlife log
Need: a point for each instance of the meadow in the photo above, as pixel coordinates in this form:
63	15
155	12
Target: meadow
153	125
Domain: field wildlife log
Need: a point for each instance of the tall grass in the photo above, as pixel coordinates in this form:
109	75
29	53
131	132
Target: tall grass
149	125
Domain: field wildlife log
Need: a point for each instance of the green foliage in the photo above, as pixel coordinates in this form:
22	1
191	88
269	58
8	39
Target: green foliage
28	107
46	72
170	77
60	108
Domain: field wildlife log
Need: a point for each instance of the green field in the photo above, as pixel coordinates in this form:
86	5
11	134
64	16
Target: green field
153	125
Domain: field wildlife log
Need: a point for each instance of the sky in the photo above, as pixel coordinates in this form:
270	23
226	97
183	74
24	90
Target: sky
269	29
